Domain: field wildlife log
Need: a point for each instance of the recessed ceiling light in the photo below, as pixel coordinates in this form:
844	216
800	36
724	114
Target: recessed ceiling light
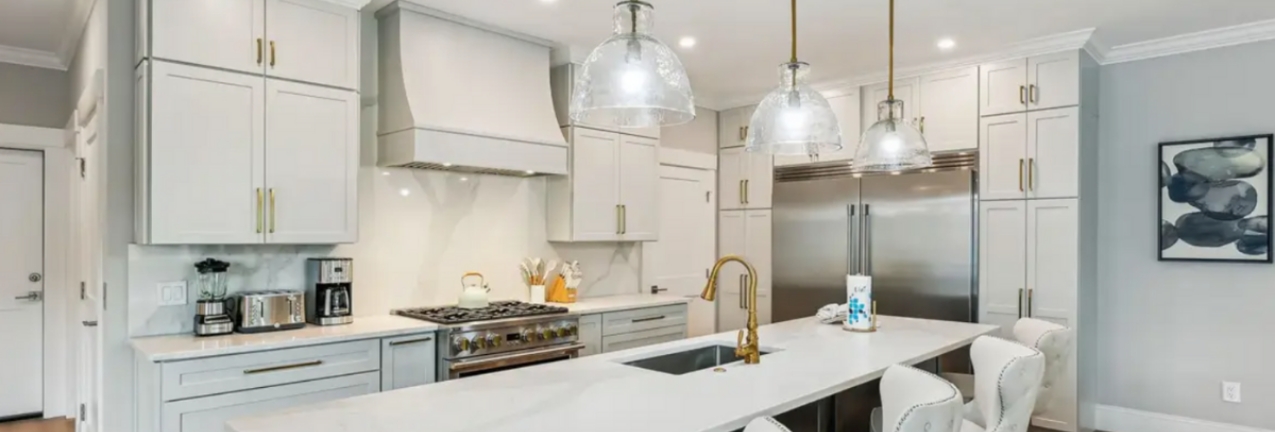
946	44
530	172
686	42
548	1
404	192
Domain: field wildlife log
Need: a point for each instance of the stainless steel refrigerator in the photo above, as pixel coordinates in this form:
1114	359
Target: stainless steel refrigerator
914	233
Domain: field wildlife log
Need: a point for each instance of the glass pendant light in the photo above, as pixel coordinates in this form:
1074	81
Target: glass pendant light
891	144
794	119
632	79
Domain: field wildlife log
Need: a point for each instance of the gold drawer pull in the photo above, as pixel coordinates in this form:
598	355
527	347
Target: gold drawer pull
412	341
283	368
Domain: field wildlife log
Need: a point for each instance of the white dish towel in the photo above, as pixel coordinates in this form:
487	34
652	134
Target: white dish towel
832	313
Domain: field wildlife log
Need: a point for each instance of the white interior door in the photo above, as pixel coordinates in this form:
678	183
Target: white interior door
21	289
87	242
679	260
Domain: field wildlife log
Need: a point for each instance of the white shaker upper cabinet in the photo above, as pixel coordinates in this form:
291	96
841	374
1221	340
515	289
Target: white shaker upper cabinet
206	156
1053	80
1053	153
1002	153
595	199
732	164
1002	87
312	157
846	108
228	34
905	90
760	185
312	41
1002	262
639	180
732	126
949	109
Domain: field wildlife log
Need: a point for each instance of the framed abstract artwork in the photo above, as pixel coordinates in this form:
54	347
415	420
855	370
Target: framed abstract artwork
1215	200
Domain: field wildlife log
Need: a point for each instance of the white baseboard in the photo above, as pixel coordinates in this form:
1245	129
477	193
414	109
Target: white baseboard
1118	419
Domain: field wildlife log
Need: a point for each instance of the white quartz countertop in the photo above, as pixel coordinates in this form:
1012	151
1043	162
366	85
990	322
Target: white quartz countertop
621	302
597	393
189	346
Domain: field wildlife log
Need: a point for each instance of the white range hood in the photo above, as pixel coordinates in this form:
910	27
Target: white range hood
459	96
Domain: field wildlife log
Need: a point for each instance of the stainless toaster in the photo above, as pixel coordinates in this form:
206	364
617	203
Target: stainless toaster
264	311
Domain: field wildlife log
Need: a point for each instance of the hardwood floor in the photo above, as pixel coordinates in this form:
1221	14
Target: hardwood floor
59	425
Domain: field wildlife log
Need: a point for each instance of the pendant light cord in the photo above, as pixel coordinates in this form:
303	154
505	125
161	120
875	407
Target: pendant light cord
794	32
633	13
891	49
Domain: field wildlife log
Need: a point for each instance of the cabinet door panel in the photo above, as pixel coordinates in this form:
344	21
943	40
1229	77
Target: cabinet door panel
639	179
949	110
1053	153
759	185
595	160
1002	87
209	414
206	155
313	41
642	338
1003	157
408	361
732	126
731	173
312	156
732	239
905	90
1052	259
1056	78
732	311
757	234
590	334
1002	262
217	33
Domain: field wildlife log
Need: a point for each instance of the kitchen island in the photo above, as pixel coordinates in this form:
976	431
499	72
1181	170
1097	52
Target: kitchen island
808	361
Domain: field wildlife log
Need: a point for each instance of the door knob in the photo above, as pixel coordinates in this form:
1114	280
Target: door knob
31	296
35	277
89	323
655	289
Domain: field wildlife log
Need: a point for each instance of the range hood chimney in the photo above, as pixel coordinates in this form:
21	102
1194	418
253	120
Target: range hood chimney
460	96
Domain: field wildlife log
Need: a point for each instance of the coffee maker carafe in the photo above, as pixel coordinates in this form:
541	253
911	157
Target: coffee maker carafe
329	295
210	311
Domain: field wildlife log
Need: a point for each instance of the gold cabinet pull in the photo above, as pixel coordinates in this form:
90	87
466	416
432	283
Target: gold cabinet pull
745	191
283	367
618	219
261	211
1020	176
1020	302
1022	95
741	191
260	49
1032	94
272	210
272	54
922	125
1031	178
624	219
1029	301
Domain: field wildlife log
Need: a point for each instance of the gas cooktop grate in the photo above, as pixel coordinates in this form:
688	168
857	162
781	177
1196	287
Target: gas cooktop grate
496	310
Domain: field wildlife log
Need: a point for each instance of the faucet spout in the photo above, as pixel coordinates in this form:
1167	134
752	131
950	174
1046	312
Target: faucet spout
749	350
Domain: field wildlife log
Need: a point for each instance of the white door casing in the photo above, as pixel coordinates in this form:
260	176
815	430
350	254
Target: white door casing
311	171
87	240
679	260
21	294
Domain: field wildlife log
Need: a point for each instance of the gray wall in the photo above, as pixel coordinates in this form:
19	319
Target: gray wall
32	96
698	136
1171	332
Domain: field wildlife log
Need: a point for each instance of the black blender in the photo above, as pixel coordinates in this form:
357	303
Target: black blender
211	317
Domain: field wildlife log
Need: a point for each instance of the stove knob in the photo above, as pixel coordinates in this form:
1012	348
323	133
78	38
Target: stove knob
573	330
546	333
479	343
528	335
561	331
494	340
460	344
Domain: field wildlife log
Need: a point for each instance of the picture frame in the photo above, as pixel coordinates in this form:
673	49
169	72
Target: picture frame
1214	199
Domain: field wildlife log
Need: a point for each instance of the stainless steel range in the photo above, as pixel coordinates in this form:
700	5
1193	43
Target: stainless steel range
505	335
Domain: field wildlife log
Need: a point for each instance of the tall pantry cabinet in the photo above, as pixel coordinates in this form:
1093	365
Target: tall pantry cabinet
745	183
1038	204
248	122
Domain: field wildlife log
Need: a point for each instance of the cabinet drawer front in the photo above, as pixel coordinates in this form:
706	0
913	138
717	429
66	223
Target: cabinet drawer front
408	361
642	338
188	379
643	319
209	414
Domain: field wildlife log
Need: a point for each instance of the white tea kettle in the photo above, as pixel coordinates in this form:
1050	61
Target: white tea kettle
473	295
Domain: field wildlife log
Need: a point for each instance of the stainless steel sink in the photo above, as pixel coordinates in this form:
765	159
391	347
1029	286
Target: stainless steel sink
684	362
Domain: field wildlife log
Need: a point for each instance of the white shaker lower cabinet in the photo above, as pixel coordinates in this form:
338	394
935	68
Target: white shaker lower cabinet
1028	261
408	361
1002	262
590	334
209	414
732	310
643	338
746	234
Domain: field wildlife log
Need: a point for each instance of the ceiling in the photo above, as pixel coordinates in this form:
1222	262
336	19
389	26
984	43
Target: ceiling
740	42
41	33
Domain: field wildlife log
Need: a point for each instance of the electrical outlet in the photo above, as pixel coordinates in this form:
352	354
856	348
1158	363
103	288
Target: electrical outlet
172	293
1230	392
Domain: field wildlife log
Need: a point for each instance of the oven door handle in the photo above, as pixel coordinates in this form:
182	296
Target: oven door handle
515	358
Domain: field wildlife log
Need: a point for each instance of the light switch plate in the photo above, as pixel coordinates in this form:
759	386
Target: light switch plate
172	293
1230	392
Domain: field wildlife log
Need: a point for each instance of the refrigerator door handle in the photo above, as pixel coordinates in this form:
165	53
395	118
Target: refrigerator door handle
852	266
866	251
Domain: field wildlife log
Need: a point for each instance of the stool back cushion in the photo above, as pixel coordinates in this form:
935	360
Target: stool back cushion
916	401
1055	342
1007	378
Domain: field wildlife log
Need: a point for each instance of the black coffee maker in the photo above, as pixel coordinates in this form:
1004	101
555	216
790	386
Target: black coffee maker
329	295
211	318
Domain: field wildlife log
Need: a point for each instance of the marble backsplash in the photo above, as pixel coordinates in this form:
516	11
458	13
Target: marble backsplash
419	232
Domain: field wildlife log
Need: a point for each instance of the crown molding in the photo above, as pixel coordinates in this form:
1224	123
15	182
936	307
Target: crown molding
352	4
74	34
1073	40
1190	42
33	58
